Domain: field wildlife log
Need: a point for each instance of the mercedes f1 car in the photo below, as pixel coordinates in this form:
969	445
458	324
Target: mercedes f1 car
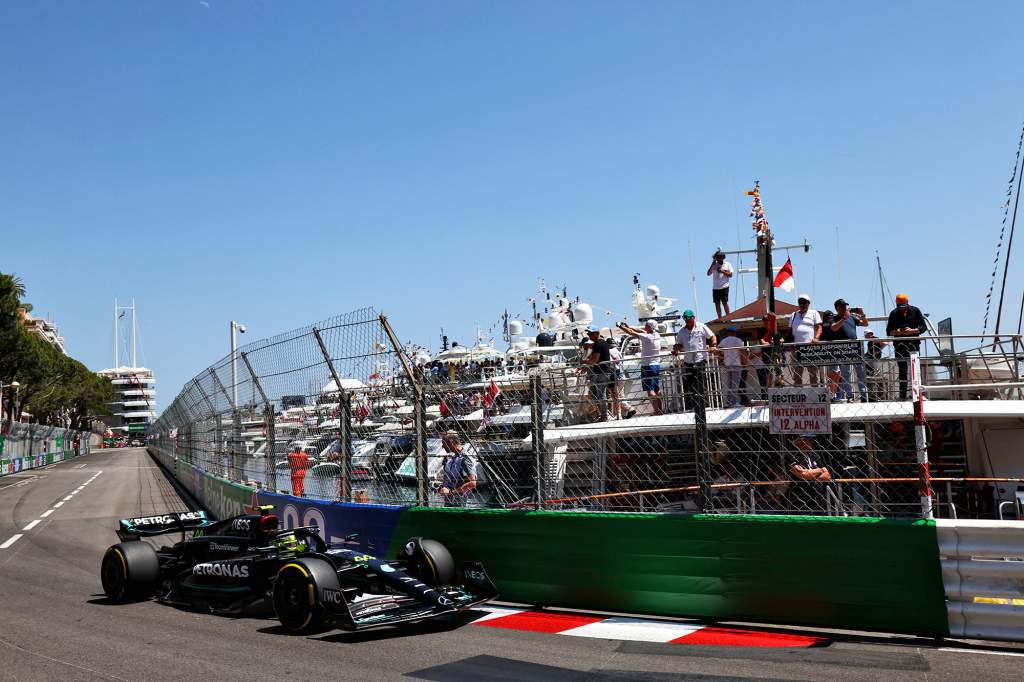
246	564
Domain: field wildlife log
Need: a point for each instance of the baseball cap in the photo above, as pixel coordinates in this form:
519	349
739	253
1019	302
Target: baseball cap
688	313
651	324
841	301
803	297
719	254
902	298
592	330
869	331
732	328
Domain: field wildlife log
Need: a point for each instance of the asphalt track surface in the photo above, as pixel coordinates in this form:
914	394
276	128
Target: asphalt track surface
56	624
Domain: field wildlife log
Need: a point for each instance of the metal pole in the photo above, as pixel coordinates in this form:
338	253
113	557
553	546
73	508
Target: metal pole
134	330
345	424
270	458
537	414
115	334
920	438
232	446
268	406
345	436
700	439
422	467
419	415
234	368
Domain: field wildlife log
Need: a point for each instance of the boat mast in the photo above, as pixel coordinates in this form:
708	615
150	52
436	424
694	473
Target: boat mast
115	334
134	365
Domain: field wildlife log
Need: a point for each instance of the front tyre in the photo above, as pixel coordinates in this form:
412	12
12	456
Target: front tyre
297	594
428	560
130	571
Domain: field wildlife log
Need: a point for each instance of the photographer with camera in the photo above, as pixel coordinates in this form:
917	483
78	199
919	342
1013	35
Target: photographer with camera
844	328
720	273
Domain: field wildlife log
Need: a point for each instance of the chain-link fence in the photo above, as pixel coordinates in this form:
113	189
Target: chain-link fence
342	410
29	446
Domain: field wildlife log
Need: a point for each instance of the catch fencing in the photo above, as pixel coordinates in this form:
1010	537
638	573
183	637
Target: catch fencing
30	446
342	410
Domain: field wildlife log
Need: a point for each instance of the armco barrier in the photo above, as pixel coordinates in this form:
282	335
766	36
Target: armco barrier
865	574
983	559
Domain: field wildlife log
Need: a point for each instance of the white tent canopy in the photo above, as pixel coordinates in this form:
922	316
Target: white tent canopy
346	384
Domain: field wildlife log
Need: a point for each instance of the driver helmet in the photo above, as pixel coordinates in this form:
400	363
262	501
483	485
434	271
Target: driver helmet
288	542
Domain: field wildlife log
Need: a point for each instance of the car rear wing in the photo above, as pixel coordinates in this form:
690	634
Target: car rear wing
159	524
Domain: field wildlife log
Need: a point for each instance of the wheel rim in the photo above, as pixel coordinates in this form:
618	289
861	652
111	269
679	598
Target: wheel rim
292	599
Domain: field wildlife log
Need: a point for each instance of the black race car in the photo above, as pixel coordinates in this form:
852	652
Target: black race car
246	564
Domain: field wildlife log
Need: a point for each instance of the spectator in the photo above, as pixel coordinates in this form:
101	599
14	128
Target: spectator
734	359
873	349
805	325
458	471
804	466
694	341
720	273
650	360
906	323
602	372
298	463
844	328
621	409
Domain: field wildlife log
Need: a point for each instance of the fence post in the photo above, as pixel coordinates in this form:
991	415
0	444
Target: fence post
419	415
270	458
268	409
345	438
700	437
921	438
537	414
232	445
344	423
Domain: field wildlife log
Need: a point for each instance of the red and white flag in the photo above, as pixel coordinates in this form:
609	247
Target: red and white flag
492	394
784	280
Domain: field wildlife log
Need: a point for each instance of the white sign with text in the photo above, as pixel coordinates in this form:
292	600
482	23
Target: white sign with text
799	411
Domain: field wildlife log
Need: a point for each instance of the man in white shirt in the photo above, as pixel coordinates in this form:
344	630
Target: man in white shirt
720	273
734	361
650	360
805	325
694	341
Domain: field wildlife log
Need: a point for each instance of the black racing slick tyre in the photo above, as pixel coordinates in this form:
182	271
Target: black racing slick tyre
130	571
430	561
298	592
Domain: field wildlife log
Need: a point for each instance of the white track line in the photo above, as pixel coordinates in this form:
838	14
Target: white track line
11	541
32	525
59	505
954	650
46	513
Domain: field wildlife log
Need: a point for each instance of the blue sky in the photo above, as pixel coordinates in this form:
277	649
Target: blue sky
279	162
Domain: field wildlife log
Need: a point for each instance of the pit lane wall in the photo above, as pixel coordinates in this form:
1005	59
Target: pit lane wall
30	446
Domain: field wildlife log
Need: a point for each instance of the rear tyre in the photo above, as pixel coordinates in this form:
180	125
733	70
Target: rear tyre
297	594
130	571
430	561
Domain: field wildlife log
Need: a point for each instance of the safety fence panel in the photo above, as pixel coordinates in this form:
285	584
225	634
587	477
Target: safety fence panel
342	410
30	446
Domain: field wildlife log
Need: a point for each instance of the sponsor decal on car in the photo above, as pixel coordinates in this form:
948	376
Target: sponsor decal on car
333	597
386	568
220	547
241	524
222	570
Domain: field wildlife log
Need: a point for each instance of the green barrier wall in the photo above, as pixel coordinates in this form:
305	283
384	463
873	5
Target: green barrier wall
866	574
220	497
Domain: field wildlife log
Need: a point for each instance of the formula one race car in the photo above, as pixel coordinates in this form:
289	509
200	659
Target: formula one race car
246	563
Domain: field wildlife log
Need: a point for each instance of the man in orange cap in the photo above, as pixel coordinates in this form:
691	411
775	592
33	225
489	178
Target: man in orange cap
905	322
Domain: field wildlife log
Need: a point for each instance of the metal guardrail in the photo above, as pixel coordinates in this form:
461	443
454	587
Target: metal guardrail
983	576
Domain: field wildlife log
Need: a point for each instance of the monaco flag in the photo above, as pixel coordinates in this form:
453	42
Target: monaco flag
492	394
784	280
